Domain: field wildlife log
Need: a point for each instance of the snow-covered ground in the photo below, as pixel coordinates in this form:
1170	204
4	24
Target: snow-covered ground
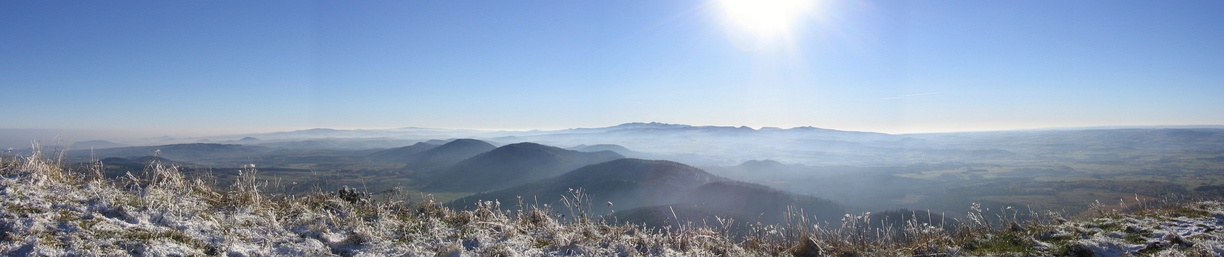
1189	229
48	212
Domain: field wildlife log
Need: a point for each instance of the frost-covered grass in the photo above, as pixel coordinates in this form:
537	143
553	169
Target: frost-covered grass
46	209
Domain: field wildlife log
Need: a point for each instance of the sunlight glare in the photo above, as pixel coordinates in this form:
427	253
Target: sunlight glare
766	18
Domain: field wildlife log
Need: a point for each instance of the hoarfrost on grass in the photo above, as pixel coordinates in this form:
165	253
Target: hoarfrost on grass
49	211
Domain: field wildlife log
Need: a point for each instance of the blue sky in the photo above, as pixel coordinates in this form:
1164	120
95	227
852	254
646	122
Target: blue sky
218	67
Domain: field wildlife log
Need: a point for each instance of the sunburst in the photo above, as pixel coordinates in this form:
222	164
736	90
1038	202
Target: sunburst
766	19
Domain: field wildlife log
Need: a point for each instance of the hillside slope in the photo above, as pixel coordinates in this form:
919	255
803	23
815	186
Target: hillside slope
627	183
741	201
442	157
512	165
401	154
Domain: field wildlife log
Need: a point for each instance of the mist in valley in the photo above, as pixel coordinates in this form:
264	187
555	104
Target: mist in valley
643	172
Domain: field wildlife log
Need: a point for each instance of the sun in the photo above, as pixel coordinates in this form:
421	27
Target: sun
766	18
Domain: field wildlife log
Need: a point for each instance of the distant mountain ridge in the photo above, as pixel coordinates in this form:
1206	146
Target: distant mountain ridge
699	145
707	146
440	133
230	153
94	144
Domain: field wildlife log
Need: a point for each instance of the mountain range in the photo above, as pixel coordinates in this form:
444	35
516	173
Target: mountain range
869	171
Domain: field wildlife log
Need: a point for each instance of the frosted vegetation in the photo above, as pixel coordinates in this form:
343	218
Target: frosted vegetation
50	210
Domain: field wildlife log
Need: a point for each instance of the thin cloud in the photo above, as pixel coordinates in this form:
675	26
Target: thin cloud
907	96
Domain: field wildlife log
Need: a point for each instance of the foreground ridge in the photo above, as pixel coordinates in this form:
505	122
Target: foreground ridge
46	209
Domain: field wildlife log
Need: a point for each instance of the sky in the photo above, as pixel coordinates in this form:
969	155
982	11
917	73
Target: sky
220	67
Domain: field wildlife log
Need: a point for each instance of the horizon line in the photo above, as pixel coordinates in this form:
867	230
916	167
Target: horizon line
508	130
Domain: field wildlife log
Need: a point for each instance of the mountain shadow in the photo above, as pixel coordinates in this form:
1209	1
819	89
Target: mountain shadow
512	165
627	183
